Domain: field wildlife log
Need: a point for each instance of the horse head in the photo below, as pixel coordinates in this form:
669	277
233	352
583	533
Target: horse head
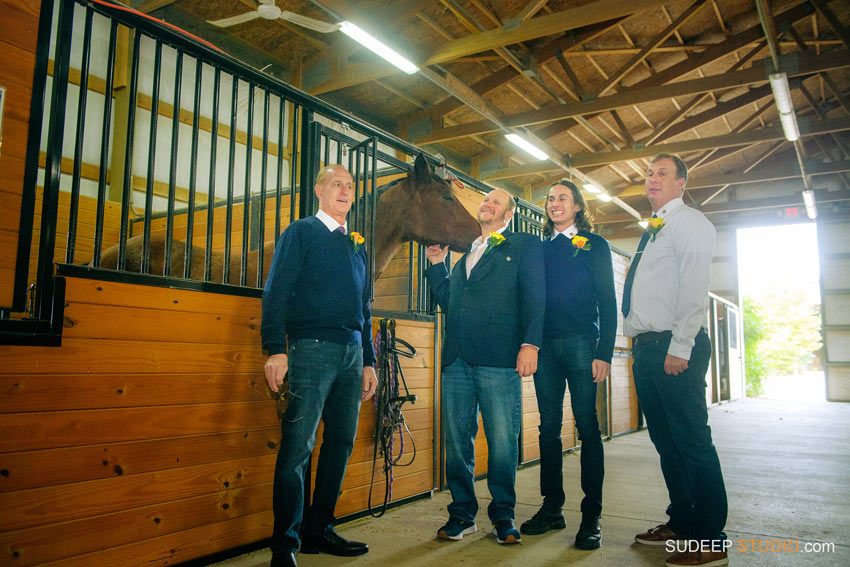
421	207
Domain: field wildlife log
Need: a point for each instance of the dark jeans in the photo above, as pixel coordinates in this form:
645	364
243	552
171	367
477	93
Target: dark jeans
568	361
325	381
498	392
677	418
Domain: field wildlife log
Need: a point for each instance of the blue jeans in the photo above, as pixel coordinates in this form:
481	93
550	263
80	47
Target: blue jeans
498	393
677	419
325	381
565	361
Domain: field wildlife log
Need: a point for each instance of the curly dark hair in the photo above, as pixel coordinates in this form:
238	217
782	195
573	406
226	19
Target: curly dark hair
584	220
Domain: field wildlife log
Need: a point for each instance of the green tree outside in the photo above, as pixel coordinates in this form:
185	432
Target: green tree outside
781	335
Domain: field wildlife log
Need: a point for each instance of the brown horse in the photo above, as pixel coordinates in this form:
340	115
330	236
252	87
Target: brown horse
420	207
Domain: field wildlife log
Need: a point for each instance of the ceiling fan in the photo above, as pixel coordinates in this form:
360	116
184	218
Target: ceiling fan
269	11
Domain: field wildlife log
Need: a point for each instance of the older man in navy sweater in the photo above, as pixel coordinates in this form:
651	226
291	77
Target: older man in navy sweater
494	300
316	296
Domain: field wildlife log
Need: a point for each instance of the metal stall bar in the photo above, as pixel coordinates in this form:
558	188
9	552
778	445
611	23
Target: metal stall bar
293	169
246	201
211	186
231	161
193	168
172	173
53	162
104	145
82	98
128	155
261	229
146	254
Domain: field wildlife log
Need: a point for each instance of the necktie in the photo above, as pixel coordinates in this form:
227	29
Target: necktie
630	277
340	229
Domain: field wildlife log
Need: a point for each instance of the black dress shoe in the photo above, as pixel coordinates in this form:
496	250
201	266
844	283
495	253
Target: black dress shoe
589	535
331	543
283	559
543	521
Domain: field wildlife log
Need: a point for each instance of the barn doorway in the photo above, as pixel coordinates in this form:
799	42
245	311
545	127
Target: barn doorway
779	280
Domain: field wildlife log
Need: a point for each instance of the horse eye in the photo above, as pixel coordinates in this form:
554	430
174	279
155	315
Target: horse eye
447	196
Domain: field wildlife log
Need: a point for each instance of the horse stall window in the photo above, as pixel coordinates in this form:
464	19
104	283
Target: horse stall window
165	162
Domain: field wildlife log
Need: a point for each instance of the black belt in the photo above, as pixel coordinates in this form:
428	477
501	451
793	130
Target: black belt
652	336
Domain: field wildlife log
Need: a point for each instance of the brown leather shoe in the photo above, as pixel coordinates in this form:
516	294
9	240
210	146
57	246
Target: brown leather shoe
659	535
698	559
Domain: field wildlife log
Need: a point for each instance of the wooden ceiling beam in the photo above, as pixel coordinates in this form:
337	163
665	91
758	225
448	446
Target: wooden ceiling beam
773	133
653	43
541	26
806	64
834	23
150	5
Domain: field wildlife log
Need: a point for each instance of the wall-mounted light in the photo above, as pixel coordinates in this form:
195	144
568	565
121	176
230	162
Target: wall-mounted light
785	105
809	201
378	47
591	188
527	146
604	197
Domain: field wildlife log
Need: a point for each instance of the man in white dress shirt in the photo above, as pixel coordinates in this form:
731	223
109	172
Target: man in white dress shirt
664	305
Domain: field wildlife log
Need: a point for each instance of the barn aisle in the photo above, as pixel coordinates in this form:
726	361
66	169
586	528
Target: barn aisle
787	470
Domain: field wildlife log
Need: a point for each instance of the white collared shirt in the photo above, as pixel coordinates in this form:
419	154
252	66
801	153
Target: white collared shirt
569	233
330	222
479	245
670	289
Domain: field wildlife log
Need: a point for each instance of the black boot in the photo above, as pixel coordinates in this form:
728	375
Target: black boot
589	534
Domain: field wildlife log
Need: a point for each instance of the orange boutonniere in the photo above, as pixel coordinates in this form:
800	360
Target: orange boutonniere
357	239
654	225
494	239
580	243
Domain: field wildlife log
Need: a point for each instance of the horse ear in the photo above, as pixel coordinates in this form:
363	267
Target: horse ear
421	169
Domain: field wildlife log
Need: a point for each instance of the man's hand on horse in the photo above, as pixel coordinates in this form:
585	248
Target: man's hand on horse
275	369
370	382
436	253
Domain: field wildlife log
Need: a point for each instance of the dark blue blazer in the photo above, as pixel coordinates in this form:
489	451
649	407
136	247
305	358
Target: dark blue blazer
499	308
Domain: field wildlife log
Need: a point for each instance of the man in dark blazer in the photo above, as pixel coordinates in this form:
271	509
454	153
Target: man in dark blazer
316	299
494	301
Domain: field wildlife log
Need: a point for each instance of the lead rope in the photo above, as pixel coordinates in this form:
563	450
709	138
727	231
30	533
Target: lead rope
388	404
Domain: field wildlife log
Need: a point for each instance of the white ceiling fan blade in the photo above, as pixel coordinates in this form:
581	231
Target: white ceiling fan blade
233	20
309	23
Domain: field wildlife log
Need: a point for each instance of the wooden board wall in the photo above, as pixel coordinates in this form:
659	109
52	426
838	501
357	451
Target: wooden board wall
18	36
152	427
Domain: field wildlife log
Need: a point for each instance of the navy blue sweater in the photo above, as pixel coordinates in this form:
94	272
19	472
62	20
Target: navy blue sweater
580	297
316	289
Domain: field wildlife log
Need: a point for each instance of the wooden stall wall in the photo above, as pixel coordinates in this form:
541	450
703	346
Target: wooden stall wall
616	396
18	36
149	437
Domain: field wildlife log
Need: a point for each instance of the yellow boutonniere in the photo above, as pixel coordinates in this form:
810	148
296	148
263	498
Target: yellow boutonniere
494	239
357	239
580	243
654	225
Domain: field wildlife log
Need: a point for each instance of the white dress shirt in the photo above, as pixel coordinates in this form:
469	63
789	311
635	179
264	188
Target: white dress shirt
479	246
670	289
569	233
330	222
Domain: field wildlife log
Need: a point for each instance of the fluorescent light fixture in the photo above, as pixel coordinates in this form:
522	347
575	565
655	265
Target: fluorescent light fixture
789	126
377	47
785	105
604	197
527	146
591	188
643	224
809	200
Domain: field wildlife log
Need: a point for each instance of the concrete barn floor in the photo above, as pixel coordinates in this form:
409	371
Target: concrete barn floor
787	472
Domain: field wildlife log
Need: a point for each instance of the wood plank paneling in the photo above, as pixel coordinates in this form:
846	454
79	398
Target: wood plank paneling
51	504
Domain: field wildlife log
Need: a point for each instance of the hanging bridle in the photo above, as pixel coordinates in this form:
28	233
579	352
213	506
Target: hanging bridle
388	404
